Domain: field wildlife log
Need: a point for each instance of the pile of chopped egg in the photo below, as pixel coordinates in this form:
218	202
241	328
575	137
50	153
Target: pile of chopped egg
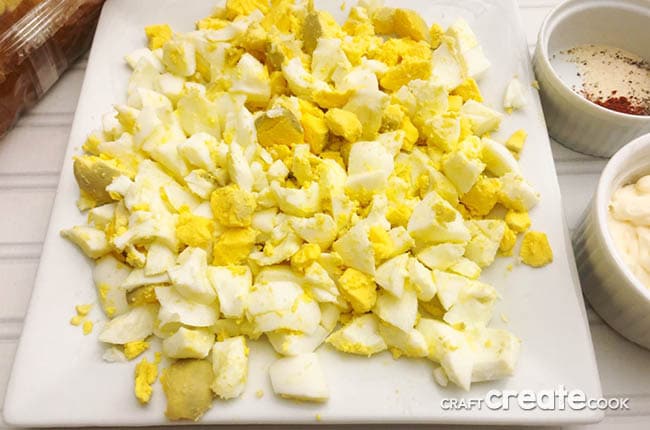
276	174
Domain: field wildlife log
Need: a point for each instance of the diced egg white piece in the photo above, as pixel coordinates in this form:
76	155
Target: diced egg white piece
140	88
421	279
101	216
300	377
146	227
189	276
410	342
441	256
467	268
90	240
114	354
449	287
360	336
424	226
302	202
201	183
196	150
440	377
398	311
111	126
370	157
482	118
108	275
275	290
133	58
474	62
327	56
497	158
230	367
137	278
496	355
485	242
515	95
319	229
277	171
463	34
446	71
145	191
142	98
251	79
368	105
332	178
170	85
292	344
179	57
198	114
440	338
136	324
299	80
159	259
178	308
401	239
458	365
329	316
518	193
233	285
462	171
319	284
303	317
167	155
358	78
178	196
239	169
188	343
392	274
355	249
281	252
470	313
120	186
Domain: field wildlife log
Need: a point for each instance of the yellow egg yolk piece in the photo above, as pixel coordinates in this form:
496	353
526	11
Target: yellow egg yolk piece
158	35
194	230
233	246
535	249
518	221
145	375
359	289
135	348
482	197
232	206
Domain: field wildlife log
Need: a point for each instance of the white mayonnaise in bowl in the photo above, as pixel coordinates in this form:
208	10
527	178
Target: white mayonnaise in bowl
606	261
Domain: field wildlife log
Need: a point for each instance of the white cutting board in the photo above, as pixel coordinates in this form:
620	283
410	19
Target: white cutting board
59	378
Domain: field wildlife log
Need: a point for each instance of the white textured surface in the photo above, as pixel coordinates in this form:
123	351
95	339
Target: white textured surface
30	160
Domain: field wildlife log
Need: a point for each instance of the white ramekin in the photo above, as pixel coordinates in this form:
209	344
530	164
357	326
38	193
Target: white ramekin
608	284
571	119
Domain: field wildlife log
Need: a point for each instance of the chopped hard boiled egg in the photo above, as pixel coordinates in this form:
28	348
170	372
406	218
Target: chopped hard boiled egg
274	174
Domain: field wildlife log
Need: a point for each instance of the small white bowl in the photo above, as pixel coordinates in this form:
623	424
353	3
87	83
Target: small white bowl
572	120
608	284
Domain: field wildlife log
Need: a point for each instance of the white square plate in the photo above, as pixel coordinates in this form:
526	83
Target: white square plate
59	378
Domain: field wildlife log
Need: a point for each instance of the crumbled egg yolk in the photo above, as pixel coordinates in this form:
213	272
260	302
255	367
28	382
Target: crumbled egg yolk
135	348
87	327
519	222
516	141
359	289
236	203
535	249
194	230
232	206
158	35
145	375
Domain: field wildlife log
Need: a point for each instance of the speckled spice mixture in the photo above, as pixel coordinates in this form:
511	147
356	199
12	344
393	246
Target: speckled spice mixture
613	78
